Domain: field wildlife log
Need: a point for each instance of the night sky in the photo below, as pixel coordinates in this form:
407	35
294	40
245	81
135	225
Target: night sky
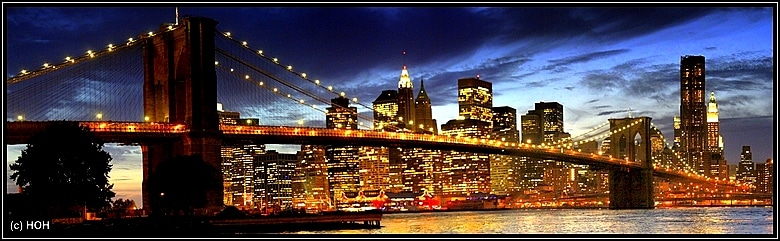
598	62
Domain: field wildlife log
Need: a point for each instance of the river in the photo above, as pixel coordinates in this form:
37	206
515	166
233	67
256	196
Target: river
679	220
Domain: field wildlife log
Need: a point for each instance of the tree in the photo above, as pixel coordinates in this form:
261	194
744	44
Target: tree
122	207
182	184
64	167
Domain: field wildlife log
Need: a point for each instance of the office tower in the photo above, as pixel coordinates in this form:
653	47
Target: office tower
544	126
342	161
386	111
238	164
714	158
746	169
311	184
406	110
273	180
765	177
238	175
423	117
374	168
340	115
475	99
465	173
505	170
693	125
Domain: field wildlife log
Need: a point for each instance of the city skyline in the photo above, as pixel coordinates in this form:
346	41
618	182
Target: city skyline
610	65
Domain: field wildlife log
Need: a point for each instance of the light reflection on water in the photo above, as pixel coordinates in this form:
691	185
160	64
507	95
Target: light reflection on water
711	220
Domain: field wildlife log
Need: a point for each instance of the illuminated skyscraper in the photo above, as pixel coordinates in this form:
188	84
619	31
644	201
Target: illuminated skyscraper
505	170
238	163
475	99
544	125
406	110
465	173
342	161
386	111
238	174
693	113
273	179
311	184
746	169
340	115
764	177
714	158
374	168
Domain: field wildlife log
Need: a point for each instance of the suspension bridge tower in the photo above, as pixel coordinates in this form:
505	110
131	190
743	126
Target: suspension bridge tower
631	188
180	86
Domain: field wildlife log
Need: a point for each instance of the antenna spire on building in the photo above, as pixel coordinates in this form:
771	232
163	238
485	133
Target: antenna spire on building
629	113
177	15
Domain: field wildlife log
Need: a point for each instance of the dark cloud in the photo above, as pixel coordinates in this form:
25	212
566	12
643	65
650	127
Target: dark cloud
562	63
601	106
603	113
710	48
602	81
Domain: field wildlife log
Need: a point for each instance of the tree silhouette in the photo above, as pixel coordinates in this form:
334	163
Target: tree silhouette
121	207
64	167
181	185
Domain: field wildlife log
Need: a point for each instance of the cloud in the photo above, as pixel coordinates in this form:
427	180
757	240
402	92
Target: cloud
603	113
587	57
602	81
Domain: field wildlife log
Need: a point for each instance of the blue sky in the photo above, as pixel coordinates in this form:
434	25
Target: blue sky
597	62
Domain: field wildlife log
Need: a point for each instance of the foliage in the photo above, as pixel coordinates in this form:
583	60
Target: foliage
182	184
64	167
123	204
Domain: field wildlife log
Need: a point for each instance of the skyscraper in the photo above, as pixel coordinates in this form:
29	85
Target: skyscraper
544	125
311	185
406	110
693	125
238	168
374	168
465	173
386	111
423	117
746	169
715	159
764	177
475	99
238	174
340	115
385	118
505	170
342	161
273	179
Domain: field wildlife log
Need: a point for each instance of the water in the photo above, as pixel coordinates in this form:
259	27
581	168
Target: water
682	220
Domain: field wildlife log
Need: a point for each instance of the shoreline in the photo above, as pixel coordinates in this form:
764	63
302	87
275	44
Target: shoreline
570	207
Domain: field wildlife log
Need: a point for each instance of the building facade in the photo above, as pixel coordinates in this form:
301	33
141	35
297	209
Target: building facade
465	173
765	177
746	169
475	99
273	180
310	187
714	159
343	161
693	113
505	170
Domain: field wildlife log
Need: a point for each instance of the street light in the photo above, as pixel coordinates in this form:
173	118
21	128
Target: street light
20	117
99	116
